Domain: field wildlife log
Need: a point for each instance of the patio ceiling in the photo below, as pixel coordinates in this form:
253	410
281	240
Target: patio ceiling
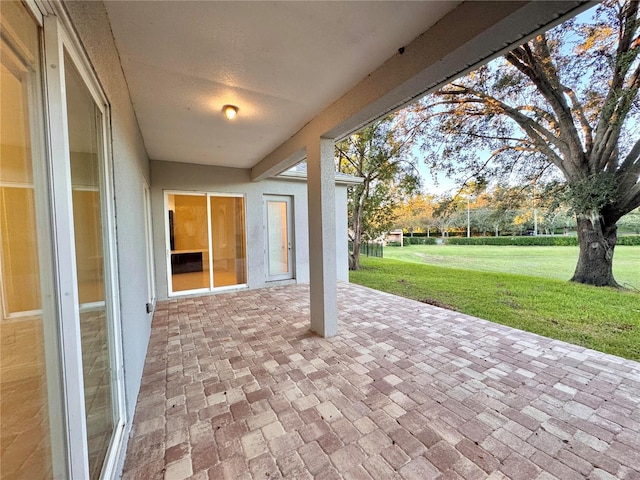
289	66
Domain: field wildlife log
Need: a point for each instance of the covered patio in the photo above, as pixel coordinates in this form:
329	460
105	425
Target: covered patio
235	386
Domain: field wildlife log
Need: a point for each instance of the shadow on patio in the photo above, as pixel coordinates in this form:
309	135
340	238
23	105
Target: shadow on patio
235	386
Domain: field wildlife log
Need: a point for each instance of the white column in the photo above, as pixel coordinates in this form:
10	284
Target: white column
322	236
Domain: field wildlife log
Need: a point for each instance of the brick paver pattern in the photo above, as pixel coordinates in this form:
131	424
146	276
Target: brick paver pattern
235	386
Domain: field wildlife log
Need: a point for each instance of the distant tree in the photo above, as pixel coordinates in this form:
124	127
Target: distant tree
523	221
631	221
554	211
448	213
416	214
557	218
380	156
565	104
470	198
506	203
410	215
482	219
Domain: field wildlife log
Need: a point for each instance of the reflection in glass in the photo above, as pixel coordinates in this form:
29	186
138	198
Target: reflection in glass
278	237
26	430
228	242
189	238
85	130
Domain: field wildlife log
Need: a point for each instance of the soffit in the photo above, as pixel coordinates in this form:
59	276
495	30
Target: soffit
281	63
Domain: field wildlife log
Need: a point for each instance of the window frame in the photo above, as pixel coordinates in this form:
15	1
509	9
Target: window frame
50	312
59	38
291	260
211	288
149	248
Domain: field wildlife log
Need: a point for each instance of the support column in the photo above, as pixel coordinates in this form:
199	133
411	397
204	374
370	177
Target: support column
321	197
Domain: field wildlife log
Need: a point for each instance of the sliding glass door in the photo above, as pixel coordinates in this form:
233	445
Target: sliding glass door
32	439
227	240
206	241
189	242
86	157
61	384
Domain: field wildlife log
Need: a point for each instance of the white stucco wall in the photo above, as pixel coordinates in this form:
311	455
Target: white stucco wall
130	169
342	233
201	178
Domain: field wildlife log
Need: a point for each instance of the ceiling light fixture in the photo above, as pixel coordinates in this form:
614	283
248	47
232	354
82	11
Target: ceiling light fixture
230	111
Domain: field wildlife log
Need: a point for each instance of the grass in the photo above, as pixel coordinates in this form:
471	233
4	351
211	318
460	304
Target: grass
603	319
548	262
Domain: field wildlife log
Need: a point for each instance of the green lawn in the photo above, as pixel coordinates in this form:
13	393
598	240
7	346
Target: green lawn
604	319
548	262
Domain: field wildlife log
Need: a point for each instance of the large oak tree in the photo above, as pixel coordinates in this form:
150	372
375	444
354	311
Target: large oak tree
565	103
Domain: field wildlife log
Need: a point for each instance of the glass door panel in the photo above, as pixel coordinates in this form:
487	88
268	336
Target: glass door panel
30	411
85	125
279	241
228	241
189	242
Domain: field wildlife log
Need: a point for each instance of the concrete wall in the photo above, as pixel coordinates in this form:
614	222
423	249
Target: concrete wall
200	178
130	170
342	233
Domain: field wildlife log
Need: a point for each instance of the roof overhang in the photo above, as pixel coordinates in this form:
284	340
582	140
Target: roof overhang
468	36
341	178
297	70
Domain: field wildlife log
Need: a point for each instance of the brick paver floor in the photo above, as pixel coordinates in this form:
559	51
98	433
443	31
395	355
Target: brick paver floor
236	387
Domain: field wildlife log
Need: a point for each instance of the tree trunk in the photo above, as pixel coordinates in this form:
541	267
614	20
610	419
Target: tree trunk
354	257
595	262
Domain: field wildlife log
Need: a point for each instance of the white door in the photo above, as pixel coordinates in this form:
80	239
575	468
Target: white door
279	238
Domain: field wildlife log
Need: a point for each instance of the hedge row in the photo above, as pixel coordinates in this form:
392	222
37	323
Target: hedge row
629	240
419	240
517	241
559	241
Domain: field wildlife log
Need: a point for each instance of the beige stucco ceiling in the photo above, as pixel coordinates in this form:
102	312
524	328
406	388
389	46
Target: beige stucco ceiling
281	63
297	69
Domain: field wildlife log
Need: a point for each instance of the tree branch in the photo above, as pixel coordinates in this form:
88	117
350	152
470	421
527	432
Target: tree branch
494	137
538	66
613	126
541	113
630	200
608	129
584	123
632	158
537	133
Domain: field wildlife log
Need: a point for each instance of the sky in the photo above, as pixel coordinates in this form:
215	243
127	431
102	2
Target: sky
444	184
